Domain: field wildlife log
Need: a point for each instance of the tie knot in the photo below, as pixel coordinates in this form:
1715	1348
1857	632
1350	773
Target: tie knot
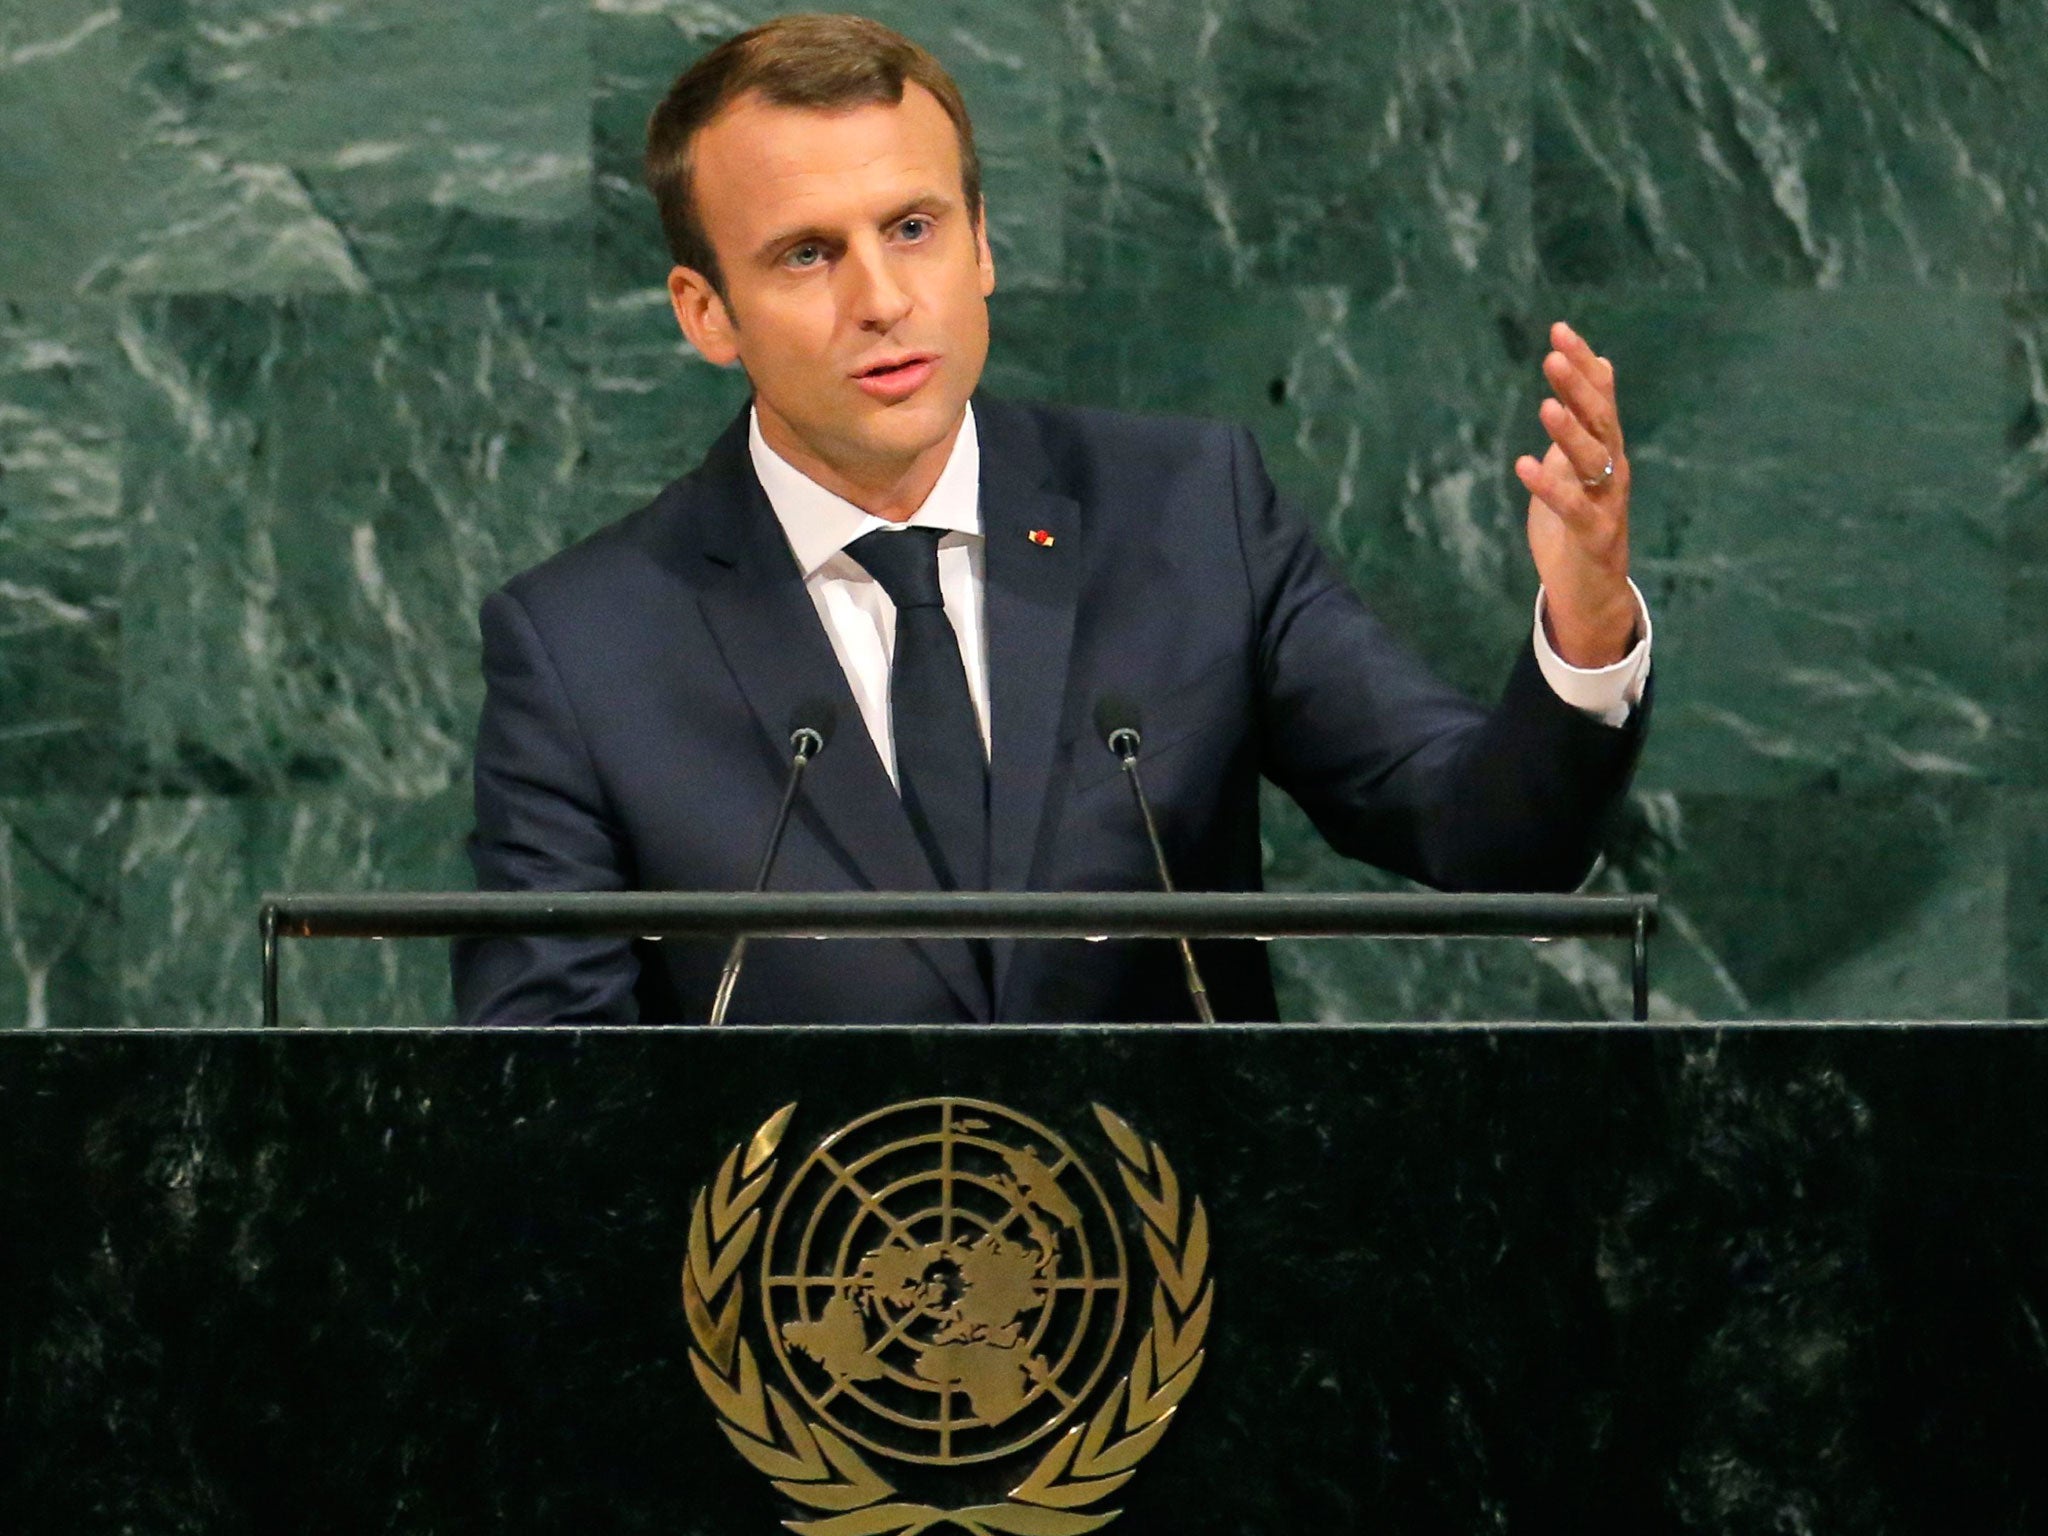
905	562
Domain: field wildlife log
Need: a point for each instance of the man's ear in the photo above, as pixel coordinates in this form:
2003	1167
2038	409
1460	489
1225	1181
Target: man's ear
984	257
703	316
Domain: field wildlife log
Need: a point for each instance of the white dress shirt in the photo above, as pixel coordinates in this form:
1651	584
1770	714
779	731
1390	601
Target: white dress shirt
860	620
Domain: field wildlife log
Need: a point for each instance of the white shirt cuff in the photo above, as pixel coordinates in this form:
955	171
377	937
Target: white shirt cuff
1608	694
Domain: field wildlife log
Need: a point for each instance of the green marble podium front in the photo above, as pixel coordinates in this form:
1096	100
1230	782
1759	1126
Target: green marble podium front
1594	1278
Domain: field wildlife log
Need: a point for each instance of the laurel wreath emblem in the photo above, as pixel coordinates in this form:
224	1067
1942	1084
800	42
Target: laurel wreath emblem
814	1467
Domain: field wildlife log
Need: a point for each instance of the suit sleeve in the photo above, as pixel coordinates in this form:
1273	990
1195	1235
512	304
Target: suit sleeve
542	824
1394	767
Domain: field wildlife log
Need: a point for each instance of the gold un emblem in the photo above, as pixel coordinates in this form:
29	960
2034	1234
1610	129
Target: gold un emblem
943	1287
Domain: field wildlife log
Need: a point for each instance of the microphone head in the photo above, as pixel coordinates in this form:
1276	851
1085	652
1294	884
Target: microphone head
1117	724
810	726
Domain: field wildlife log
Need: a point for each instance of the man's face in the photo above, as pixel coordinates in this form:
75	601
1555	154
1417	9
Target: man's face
856	279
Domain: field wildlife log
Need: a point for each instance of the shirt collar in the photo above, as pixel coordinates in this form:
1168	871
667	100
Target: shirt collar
819	524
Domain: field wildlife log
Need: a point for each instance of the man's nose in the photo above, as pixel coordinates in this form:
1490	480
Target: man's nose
878	300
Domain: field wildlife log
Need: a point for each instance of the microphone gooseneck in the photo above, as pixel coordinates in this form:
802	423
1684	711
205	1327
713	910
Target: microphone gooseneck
807	738
1117	720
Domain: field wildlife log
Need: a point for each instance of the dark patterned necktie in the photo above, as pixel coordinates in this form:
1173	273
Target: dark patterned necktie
940	770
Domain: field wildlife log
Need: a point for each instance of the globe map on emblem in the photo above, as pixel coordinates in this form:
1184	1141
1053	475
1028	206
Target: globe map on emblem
944	1281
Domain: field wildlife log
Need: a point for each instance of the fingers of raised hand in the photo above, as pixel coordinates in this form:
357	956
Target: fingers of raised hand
1555	481
1577	351
1574	346
1589	397
1537	479
1583	419
1591	459
1597	517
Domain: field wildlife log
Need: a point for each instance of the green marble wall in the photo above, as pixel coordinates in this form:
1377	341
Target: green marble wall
319	320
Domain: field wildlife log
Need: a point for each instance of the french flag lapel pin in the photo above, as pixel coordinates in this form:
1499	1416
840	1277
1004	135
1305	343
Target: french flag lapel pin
1042	537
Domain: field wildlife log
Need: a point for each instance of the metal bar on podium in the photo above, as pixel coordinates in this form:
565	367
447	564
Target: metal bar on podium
958	914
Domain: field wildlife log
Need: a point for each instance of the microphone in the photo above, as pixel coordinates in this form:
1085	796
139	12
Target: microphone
811	725
1116	722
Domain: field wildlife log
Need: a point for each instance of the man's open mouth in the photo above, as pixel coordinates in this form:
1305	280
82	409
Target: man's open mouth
894	366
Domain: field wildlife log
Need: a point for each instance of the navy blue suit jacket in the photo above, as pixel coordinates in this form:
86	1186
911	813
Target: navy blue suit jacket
641	687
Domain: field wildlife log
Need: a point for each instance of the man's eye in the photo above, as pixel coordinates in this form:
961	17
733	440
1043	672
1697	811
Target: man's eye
916	227
806	255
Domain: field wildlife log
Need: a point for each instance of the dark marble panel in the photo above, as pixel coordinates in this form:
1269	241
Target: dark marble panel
65	124
1625	1281
1385	148
323	491
2026	910
114	182
60	910
1808	143
1821	905
61	539
447	143
636	51
2026	546
1028	344
653	404
1819	530
2032	200
197	869
1009	62
1812	905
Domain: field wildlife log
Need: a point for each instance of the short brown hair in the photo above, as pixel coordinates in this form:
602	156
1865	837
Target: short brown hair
824	63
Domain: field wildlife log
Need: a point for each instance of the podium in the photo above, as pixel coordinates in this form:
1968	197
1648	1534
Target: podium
1600	1277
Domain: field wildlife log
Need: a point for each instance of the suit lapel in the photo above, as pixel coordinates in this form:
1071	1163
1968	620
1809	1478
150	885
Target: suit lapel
1032	570
769	634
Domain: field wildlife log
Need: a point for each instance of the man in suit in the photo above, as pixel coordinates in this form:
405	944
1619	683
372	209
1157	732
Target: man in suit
960	581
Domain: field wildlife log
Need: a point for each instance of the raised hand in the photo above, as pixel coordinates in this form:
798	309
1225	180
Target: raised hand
1578	507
